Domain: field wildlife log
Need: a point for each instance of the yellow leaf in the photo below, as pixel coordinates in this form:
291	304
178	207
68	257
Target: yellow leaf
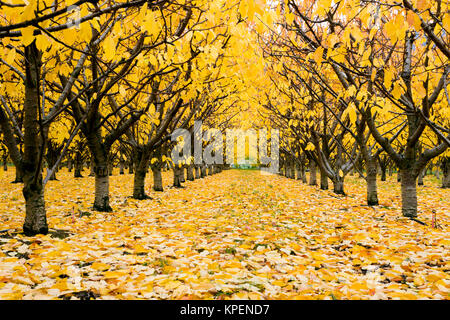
419	281
114	274
100	266
171	285
109	47
310	146
10	57
387	78
397	91
27	35
318	55
122	91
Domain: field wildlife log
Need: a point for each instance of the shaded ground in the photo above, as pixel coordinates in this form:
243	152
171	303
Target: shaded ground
238	234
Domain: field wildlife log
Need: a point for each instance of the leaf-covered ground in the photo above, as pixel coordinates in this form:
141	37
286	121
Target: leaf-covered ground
237	234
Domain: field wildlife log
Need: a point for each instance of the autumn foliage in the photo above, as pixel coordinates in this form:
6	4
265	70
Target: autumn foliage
93	203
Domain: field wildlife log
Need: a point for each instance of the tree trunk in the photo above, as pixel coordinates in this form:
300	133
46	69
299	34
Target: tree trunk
131	168
78	166
157	179
181	174
139	184
190	172
437	173
338	186
399	176
53	175
323	180
19	176
69	164
33	190
101	202
421	176
372	194
383	173
312	173
210	170
35	217
197	172
203	171
176	177
5	165
92	173
121	167
77	172
299	172
446	173
409	193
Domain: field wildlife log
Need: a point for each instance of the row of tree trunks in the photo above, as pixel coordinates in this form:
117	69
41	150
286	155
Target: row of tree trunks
193	172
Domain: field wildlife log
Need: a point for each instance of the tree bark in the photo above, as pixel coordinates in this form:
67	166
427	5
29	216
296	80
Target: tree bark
92	167
203	171
437	173
323	180
139	185
181	174
421	176
176	177
18	177
446	173
312	174
372	194
383	173
121	167
35	217
409	193
299	172
292	173
157	179
78	165
131	168
190	172
338	186
5	164
101	201
197	172
33	189
69	164
304	180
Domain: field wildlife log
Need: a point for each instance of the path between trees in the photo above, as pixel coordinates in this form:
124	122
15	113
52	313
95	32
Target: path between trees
237	234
